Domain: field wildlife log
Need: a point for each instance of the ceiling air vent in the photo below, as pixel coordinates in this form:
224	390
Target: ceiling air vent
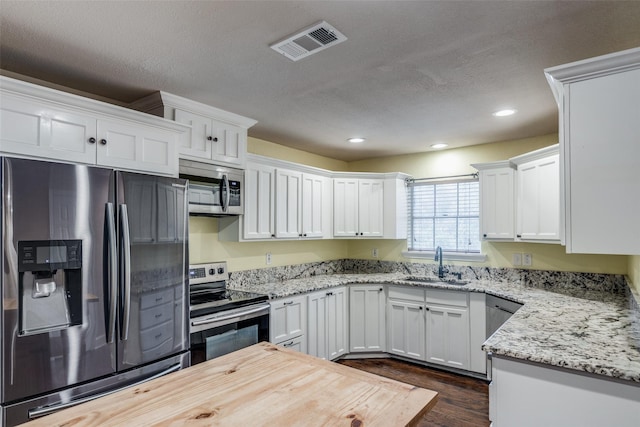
309	41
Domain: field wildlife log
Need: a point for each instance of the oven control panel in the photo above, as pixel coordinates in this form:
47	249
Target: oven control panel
206	273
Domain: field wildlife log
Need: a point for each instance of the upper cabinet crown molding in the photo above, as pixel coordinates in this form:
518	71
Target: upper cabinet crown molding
493	165
41	93
285	164
542	153
157	101
590	68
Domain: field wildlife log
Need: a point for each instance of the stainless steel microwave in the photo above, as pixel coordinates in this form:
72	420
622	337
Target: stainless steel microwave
213	190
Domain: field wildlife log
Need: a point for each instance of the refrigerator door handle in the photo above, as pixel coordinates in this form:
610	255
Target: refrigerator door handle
113	272
126	271
46	410
227	197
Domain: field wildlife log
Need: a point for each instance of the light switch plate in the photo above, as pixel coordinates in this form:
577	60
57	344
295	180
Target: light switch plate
526	259
374	252
516	259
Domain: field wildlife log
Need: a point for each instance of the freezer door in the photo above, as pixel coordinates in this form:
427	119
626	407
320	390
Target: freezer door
54	277
153	235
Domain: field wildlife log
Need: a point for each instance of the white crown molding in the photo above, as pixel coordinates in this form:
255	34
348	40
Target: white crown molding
536	155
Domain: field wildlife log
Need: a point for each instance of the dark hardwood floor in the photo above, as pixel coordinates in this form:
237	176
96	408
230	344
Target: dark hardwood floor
462	401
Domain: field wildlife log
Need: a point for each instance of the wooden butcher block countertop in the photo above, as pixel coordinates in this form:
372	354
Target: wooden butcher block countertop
261	385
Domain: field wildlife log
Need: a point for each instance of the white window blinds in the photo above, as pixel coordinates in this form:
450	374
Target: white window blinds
446	214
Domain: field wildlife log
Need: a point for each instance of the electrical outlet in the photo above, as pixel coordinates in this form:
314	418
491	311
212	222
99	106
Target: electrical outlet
268	258
516	259
374	252
527	259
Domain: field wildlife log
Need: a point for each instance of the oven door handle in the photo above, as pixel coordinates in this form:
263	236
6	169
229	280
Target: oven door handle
229	316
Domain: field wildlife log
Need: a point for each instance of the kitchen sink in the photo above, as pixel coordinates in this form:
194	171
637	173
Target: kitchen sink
434	280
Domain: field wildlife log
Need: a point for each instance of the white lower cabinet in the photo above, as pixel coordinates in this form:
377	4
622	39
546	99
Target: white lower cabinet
430	325
367	319
530	395
288	322
327	328
406	329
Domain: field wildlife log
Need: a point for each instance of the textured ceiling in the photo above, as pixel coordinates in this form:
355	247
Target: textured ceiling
410	74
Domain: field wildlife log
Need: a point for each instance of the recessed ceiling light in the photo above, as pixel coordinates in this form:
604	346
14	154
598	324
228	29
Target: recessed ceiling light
355	140
439	145
504	113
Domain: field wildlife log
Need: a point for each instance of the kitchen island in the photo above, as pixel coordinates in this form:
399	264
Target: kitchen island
261	385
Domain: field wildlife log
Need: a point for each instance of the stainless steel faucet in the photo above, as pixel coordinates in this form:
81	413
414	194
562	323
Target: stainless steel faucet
439	258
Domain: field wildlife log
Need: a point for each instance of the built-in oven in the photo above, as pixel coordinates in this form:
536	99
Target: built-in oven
213	190
223	320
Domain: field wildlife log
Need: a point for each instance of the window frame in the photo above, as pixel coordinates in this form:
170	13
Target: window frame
475	256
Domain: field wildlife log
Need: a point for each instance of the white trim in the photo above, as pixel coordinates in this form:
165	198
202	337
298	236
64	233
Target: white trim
448	256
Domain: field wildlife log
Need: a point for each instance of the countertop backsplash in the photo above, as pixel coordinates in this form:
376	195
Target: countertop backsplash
554	281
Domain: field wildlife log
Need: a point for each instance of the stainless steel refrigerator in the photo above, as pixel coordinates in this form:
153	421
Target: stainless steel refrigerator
94	283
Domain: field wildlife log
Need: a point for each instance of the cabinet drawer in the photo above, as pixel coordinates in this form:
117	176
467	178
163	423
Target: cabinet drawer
453	298
407	294
155	298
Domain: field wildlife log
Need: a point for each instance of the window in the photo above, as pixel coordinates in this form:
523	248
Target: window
445	214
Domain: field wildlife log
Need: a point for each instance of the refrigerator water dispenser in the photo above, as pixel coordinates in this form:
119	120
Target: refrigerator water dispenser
50	285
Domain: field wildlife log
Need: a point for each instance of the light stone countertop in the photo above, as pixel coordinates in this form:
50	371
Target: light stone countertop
585	330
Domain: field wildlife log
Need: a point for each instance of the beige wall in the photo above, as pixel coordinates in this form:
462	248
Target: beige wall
269	149
205	247
634	271
454	161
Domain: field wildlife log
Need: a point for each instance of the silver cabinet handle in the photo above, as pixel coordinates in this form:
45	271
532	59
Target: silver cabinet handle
227	198
113	272
229	316
126	271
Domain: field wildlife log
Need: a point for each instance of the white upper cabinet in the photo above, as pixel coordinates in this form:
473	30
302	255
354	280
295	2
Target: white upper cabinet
599	103
216	136
259	202
520	197
538	195
358	207
497	200
288	204
282	201
316	206
49	124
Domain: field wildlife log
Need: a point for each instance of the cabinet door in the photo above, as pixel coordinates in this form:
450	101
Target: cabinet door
497	203
135	146
39	129
313	205
259	189
539	199
448	336
317	325
370	207
171	219
602	125
367	319
288	318
288	204
345	207
406	329
199	142
336	323
229	143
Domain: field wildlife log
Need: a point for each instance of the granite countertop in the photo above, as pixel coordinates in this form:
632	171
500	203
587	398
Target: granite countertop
593	331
